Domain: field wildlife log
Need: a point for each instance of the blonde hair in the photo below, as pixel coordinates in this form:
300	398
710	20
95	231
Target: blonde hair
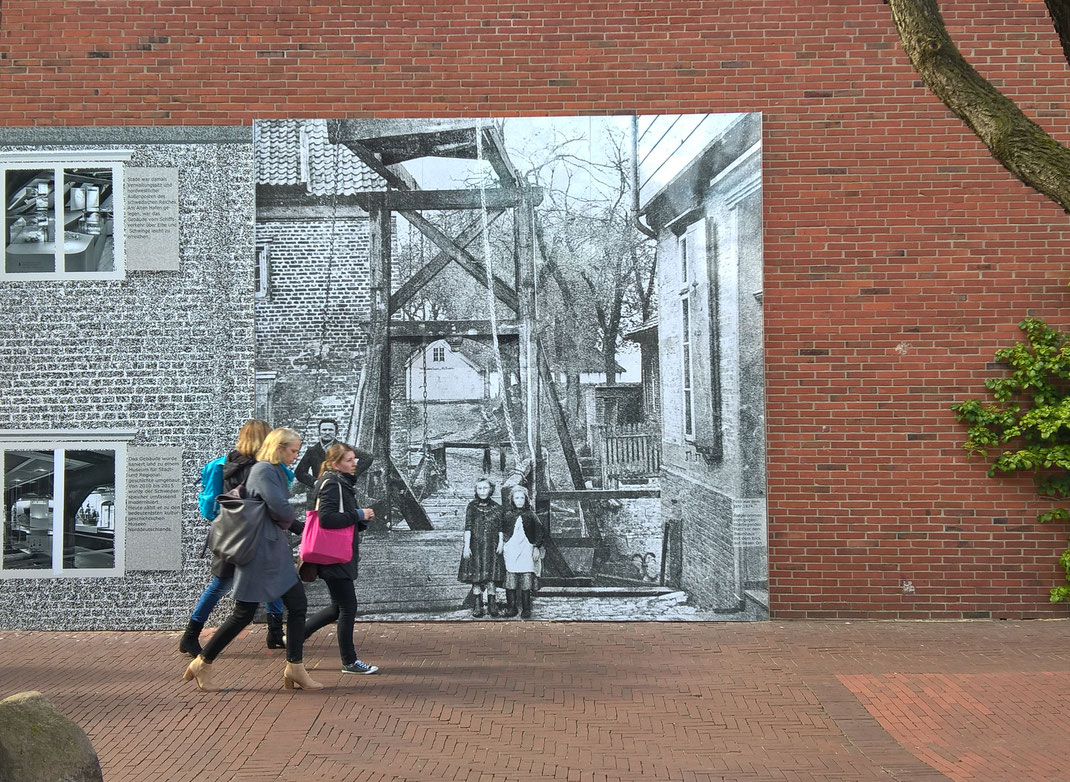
334	455
251	436
277	439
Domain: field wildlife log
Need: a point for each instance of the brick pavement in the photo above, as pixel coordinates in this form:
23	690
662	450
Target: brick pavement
498	701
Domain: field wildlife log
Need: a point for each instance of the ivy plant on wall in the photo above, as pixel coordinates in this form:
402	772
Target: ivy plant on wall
1027	428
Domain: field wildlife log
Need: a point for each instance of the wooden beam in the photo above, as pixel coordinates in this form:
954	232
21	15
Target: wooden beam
557	412
464	259
398	148
414	284
273	198
491	198
398	141
373	433
494	153
438	329
411	509
603	494
452	444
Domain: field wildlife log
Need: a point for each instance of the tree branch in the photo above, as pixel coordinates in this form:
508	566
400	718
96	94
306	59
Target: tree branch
1017	142
1059	11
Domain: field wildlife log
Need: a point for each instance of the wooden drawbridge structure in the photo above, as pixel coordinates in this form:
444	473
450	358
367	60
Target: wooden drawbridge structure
380	145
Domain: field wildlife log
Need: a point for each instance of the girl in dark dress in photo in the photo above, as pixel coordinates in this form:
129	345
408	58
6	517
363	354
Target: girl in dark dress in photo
481	557
337	503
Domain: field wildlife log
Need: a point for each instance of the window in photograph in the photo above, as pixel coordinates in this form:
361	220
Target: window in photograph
265	395
684	271
689	397
438	354
261	271
62	216
63	510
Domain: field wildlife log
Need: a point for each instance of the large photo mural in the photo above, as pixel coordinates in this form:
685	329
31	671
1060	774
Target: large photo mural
545	330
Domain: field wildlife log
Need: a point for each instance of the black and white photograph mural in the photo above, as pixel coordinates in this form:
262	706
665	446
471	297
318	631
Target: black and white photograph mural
547	332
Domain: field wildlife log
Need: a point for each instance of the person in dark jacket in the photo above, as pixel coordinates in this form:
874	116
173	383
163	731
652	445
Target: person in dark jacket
235	472
271	572
311	464
337	503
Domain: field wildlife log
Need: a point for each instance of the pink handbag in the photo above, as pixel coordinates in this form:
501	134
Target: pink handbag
323	546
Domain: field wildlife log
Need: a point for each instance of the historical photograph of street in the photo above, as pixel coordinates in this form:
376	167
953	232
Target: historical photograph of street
545	330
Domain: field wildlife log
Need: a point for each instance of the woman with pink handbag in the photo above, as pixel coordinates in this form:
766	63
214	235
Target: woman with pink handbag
337	509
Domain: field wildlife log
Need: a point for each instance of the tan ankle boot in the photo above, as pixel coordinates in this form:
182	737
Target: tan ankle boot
201	670
295	674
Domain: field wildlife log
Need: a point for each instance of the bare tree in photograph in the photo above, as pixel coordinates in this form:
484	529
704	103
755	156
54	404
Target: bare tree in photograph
596	270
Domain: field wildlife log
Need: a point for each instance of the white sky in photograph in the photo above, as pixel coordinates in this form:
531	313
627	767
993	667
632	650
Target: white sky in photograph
667	144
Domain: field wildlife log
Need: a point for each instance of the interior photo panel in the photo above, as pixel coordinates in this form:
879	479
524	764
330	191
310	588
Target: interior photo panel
548	334
29	503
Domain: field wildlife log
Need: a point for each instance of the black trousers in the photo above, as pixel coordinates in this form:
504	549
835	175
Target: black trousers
296	607
343	609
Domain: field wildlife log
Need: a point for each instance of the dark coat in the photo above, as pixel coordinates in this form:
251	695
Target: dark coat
309	466
236	469
483	522
271	573
338	509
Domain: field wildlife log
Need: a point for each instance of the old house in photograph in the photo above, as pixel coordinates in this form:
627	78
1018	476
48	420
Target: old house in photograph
708	222
452	371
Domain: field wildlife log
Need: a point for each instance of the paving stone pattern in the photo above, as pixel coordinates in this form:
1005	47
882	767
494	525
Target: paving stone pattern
498	701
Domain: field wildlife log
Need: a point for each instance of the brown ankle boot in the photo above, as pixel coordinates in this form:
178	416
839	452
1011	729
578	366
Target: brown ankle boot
201	670
296	675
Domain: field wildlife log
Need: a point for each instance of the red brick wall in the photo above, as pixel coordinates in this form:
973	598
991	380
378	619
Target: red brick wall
898	255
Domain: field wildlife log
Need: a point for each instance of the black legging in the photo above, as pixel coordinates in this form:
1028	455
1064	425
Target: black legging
296	607
343	609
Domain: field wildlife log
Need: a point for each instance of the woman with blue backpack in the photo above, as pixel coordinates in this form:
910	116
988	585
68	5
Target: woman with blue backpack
270	571
223	476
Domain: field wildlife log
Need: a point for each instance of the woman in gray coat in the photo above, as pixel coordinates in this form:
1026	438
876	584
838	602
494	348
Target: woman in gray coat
271	572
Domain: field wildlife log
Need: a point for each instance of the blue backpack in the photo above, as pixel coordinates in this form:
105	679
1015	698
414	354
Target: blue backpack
211	487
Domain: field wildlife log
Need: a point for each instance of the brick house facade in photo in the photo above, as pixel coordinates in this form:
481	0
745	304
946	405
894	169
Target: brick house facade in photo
312	295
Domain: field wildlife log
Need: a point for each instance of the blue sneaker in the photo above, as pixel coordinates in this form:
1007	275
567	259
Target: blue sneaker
359	667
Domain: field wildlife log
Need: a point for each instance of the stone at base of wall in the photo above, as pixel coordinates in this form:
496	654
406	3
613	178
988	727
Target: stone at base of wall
39	744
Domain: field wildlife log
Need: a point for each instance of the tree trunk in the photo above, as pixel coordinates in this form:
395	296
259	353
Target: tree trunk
1015	141
610	353
1059	10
